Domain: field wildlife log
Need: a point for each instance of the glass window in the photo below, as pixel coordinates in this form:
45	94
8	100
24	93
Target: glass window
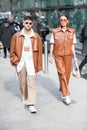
50	3
66	2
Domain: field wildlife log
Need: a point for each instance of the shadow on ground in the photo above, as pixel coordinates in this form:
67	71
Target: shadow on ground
84	76
51	86
12	86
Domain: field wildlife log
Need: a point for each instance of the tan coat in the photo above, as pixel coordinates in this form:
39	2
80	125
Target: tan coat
17	42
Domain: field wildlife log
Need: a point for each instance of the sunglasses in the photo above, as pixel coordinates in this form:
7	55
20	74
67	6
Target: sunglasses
65	20
28	23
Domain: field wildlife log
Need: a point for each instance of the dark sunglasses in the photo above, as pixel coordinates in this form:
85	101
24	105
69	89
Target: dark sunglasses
28	23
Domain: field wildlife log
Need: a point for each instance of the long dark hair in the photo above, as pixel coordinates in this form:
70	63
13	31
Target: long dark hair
64	15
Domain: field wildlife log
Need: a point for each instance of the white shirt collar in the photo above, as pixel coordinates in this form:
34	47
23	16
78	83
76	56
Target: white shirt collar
30	35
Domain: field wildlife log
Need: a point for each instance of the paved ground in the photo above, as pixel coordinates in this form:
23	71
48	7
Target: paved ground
51	114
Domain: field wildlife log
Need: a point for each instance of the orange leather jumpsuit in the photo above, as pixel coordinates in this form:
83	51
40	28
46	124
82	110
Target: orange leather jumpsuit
63	56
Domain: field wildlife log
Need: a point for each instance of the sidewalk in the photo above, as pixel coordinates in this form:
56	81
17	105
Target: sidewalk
51	114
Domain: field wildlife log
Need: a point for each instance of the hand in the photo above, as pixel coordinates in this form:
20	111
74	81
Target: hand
39	72
75	59
51	60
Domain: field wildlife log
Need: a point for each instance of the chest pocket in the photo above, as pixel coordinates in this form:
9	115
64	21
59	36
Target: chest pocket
34	44
70	36
58	36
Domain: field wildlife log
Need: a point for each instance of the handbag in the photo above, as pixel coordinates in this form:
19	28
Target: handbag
75	71
1	45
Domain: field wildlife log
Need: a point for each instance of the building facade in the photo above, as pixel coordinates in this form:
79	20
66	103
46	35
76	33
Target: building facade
50	10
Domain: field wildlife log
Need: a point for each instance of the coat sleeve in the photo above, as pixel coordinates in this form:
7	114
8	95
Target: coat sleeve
39	53
13	57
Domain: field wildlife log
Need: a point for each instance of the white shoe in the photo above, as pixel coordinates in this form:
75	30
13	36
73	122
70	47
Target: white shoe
67	100
32	109
25	102
62	97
